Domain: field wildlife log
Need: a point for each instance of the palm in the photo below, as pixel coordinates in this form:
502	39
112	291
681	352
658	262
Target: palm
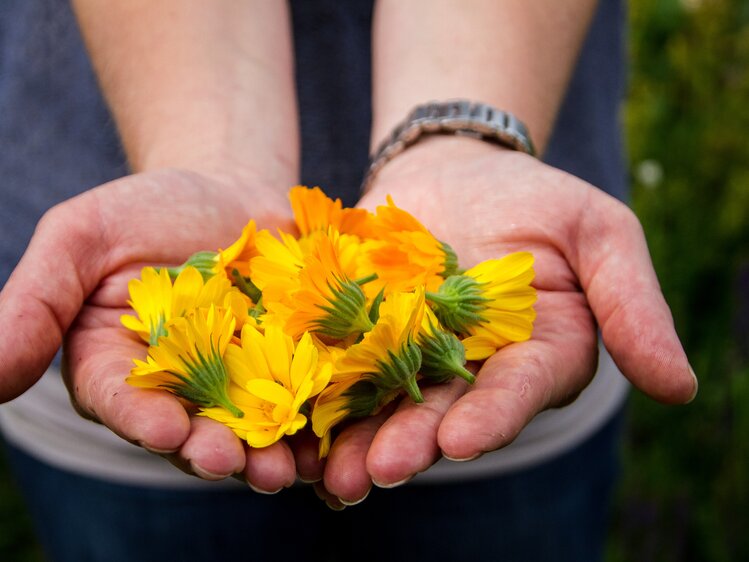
94	244
592	267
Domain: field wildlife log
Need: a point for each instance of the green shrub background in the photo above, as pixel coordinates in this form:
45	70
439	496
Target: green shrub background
684	492
685	488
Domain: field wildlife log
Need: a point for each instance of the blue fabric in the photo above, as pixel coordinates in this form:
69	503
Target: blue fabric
557	511
57	139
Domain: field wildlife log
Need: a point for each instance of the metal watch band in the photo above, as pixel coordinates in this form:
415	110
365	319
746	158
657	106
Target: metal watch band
454	117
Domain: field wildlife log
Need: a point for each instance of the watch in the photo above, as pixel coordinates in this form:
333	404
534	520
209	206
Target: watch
454	117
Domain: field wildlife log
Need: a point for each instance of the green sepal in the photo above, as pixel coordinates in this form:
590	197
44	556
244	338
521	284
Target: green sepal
206	383
157	331
399	371
458	303
363	398
246	285
451	261
374	309
443	357
258	310
347	313
203	261
367	279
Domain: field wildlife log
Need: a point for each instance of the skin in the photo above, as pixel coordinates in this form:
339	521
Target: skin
592	264
592	270
210	169
236	156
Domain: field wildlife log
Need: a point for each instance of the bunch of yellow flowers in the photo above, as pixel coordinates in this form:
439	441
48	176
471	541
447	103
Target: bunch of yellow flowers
333	324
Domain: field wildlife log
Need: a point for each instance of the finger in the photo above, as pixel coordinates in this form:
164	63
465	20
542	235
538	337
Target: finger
406	444
523	379
270	469
43	296
330	500
97	360
346	475
636	323
305	446
211	451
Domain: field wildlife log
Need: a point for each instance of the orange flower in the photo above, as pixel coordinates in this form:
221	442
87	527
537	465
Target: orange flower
403	253
313	211
328	301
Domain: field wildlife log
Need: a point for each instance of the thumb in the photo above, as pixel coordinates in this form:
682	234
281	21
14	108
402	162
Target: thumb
623	291
45	292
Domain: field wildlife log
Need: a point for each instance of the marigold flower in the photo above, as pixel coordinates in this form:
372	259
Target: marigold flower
233	261
275	271
388	355
271	381
156	300
491	303
327	301
404	253
189	361
315	211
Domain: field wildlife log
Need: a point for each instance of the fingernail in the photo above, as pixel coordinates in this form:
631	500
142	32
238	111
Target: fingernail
349	503
264	492
206	474
335	507
464	459
305	481
391	484
696	385
157	451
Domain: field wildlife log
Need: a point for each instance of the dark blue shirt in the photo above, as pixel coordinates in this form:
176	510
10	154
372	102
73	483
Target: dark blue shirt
58	139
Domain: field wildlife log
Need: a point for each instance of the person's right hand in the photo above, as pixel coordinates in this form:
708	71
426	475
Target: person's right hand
70	288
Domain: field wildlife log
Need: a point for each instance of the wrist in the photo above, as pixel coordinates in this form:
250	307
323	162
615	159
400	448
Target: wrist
462	118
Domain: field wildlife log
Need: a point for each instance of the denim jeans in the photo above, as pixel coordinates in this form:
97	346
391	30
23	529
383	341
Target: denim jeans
556	511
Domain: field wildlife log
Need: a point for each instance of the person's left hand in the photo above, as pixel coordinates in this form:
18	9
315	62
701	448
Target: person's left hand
593	270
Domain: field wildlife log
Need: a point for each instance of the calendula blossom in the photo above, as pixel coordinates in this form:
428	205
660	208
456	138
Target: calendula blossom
189	360
272	379
233	261
329	325
404	254
156	300
328	301
275	271
315	211
369	374
491	304
388	355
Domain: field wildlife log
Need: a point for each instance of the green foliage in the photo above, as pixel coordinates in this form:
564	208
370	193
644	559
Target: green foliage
685	494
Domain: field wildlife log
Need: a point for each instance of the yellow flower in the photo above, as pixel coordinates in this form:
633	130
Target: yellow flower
189	361
156	301
491	303
328	301
404	254
235	257
271	381
314	211
275	271
332	407
388	355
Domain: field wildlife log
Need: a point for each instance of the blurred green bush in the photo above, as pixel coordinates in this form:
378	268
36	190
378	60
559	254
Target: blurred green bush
685	489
